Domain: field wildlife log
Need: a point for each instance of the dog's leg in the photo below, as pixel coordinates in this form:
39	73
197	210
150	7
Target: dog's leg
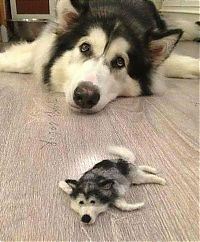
179	66
191	30
142	176
63	185
148	169
18	58
124	206
122	153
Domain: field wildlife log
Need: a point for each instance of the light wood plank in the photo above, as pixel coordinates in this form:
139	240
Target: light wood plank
43	142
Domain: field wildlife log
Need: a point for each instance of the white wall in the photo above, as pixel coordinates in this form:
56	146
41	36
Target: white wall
184	9
158	3
181	6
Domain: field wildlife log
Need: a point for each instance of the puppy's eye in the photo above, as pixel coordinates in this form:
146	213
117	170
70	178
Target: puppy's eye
81	202
85	48
92	202
118	63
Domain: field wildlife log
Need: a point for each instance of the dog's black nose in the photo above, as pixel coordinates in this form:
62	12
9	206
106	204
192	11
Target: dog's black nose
86	218
86	95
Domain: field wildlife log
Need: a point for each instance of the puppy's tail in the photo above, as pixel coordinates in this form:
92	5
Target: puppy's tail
122	153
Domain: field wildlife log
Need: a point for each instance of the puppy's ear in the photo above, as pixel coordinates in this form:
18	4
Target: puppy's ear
106	184
162	44
71	183
68	12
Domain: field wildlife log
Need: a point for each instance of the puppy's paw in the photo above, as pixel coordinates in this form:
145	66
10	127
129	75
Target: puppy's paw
162	181
140	205
63	185
149	169
136	206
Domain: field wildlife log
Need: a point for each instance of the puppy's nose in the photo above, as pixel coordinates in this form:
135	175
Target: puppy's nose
86	95
86	218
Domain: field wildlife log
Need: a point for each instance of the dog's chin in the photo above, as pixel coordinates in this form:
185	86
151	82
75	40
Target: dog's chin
83	110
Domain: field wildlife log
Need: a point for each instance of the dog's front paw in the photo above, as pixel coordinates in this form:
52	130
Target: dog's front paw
149	169
162	181
193	69
63	185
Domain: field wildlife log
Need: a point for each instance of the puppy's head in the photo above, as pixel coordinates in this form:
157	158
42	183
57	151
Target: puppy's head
87	198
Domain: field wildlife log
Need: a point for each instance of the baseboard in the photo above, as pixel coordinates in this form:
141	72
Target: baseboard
189	10
183	16
181	6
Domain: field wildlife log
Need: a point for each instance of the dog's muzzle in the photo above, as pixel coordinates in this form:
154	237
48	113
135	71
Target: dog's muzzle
86	95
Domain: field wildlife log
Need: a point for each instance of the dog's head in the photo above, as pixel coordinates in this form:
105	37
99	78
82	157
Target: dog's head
101	56
89	198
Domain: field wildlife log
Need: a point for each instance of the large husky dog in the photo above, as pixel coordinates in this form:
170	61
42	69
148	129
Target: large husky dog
99	50
106	184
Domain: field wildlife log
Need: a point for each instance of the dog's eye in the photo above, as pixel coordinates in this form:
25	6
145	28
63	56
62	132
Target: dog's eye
85	48
118	63
92	202
81	202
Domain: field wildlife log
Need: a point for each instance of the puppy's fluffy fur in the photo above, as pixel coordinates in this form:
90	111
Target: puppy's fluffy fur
107	183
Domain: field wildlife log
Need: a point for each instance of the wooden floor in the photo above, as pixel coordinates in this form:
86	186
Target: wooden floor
42	142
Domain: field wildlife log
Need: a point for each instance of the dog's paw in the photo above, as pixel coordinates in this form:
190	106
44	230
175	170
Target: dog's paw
136	206
140	205
192	69
149	169
162	181
63	185
185	67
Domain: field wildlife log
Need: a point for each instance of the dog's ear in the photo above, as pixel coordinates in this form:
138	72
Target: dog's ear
162	44
106	184
68	12
71	183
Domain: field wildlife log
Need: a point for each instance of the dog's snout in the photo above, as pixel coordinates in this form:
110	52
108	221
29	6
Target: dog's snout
86	95
86	218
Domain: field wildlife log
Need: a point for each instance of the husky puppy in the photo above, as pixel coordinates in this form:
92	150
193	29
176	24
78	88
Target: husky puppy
106	184
98	50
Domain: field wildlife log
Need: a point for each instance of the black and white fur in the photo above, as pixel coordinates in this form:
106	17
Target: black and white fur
107	183
99	50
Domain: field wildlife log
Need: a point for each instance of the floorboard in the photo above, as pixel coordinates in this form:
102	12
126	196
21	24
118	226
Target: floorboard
43	142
